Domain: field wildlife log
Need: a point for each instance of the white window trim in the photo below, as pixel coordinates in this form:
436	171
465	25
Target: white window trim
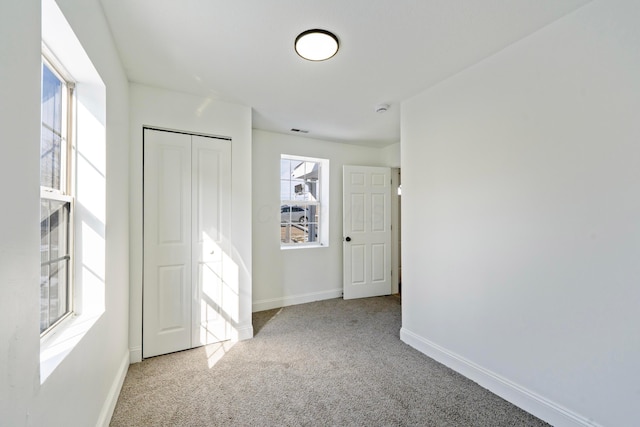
323	202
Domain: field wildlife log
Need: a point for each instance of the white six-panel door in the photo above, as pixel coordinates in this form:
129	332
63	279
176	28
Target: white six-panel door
167	243
366	231
187	200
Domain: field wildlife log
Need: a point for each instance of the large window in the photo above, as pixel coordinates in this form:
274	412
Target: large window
301	201
56	203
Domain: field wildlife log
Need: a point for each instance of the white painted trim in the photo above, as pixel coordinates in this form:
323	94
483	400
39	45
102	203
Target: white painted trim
135	354
112	398
525	399
395	231
242	333
268	304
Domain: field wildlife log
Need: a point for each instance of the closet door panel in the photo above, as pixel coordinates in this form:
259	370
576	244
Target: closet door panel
211	216
167	313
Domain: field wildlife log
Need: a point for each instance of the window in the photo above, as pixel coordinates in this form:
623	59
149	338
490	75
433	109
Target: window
301	203
56	203
73	287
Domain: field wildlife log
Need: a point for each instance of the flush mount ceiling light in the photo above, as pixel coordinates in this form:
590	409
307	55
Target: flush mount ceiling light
316	45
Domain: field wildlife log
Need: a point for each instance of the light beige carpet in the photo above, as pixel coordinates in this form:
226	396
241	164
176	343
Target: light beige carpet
328	363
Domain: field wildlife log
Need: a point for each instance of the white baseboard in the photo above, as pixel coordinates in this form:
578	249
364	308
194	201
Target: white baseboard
114	392
525	399
268	304
135	354
242	333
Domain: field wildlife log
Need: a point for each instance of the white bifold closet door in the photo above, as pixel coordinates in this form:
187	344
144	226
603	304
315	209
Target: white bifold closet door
189	289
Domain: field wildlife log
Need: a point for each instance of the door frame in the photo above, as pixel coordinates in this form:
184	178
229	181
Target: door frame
396	231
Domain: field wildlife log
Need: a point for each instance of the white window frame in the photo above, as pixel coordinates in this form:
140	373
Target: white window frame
65	192
321	204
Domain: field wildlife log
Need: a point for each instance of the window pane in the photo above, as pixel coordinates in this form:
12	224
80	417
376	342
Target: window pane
53	293
54	228
294	233
296	213
312	225
51	132
57	291
44	232
44	297
299	180
285	233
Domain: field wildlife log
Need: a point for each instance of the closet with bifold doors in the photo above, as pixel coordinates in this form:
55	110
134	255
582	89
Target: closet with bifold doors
189	279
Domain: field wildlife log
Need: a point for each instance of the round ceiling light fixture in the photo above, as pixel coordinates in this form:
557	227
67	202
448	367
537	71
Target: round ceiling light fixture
316	45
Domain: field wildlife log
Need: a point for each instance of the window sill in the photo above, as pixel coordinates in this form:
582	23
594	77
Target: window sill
301	246
57	344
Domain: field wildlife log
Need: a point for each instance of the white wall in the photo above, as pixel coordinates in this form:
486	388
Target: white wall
19	236
521	214
391	153
82	389
178	111
295	276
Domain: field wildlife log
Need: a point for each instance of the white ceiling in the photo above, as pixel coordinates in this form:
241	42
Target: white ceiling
242	51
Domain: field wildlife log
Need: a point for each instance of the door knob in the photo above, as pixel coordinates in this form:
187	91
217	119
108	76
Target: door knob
348	239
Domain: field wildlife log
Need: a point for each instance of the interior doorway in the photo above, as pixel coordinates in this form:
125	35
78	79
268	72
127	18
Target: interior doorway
396	231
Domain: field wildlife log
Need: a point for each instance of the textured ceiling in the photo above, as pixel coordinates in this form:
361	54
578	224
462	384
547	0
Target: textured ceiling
242	51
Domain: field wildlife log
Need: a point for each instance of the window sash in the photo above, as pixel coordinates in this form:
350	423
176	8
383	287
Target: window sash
55	261
55	149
